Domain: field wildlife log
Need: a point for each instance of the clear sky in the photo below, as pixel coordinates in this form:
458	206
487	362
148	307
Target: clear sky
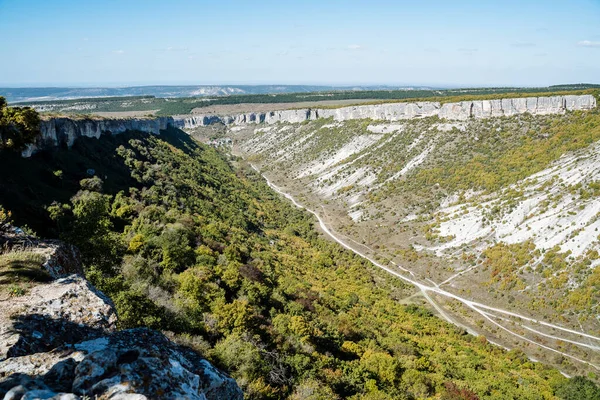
430	42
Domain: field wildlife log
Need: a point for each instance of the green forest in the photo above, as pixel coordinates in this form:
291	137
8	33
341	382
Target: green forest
189	240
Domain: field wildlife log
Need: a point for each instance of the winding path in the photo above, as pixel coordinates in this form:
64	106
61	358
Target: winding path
482	309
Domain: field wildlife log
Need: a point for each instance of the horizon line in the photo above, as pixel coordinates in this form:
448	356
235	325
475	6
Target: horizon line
324	85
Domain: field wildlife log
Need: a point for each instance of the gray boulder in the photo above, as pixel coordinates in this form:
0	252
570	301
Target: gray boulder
136	363
67	310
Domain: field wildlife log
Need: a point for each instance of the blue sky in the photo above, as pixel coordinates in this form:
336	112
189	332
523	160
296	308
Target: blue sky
448	43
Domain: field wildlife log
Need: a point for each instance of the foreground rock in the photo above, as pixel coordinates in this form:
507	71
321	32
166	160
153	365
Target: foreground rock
59	341
136	364
67	310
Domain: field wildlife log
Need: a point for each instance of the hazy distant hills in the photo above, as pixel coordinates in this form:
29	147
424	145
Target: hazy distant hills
64	93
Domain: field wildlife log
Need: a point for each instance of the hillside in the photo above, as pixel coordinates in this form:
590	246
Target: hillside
186	240
494	219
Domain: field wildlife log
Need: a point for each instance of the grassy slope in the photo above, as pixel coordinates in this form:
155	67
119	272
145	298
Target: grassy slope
18	269
210	253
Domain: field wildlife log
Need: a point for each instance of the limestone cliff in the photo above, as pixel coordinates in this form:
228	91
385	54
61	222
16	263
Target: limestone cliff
59	340
64	131
401	111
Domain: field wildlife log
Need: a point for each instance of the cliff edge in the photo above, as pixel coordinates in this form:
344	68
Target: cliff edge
64	131
59	338
401	111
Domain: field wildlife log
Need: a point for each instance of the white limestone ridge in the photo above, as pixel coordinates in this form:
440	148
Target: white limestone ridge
64	131
401	111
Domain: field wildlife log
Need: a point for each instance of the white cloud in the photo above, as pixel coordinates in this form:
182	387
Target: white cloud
588	43
354	47
118	51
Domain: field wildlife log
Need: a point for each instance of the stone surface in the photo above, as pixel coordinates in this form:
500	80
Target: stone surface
136	363
67	310
61	258
64	131
399	111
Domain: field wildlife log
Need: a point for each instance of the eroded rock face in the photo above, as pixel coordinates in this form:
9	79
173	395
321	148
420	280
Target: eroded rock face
57	132
136	363
509	107
64	131
67	310
401	111
62	258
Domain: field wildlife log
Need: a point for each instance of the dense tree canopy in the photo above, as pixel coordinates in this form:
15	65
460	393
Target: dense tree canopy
18	126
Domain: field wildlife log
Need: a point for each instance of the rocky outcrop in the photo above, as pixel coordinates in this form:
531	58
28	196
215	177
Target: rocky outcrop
402	111
67	310
384	112
60	341
64	131
509	107
133	364
61	259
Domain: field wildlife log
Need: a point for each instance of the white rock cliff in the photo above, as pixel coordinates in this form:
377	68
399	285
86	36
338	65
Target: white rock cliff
64	131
